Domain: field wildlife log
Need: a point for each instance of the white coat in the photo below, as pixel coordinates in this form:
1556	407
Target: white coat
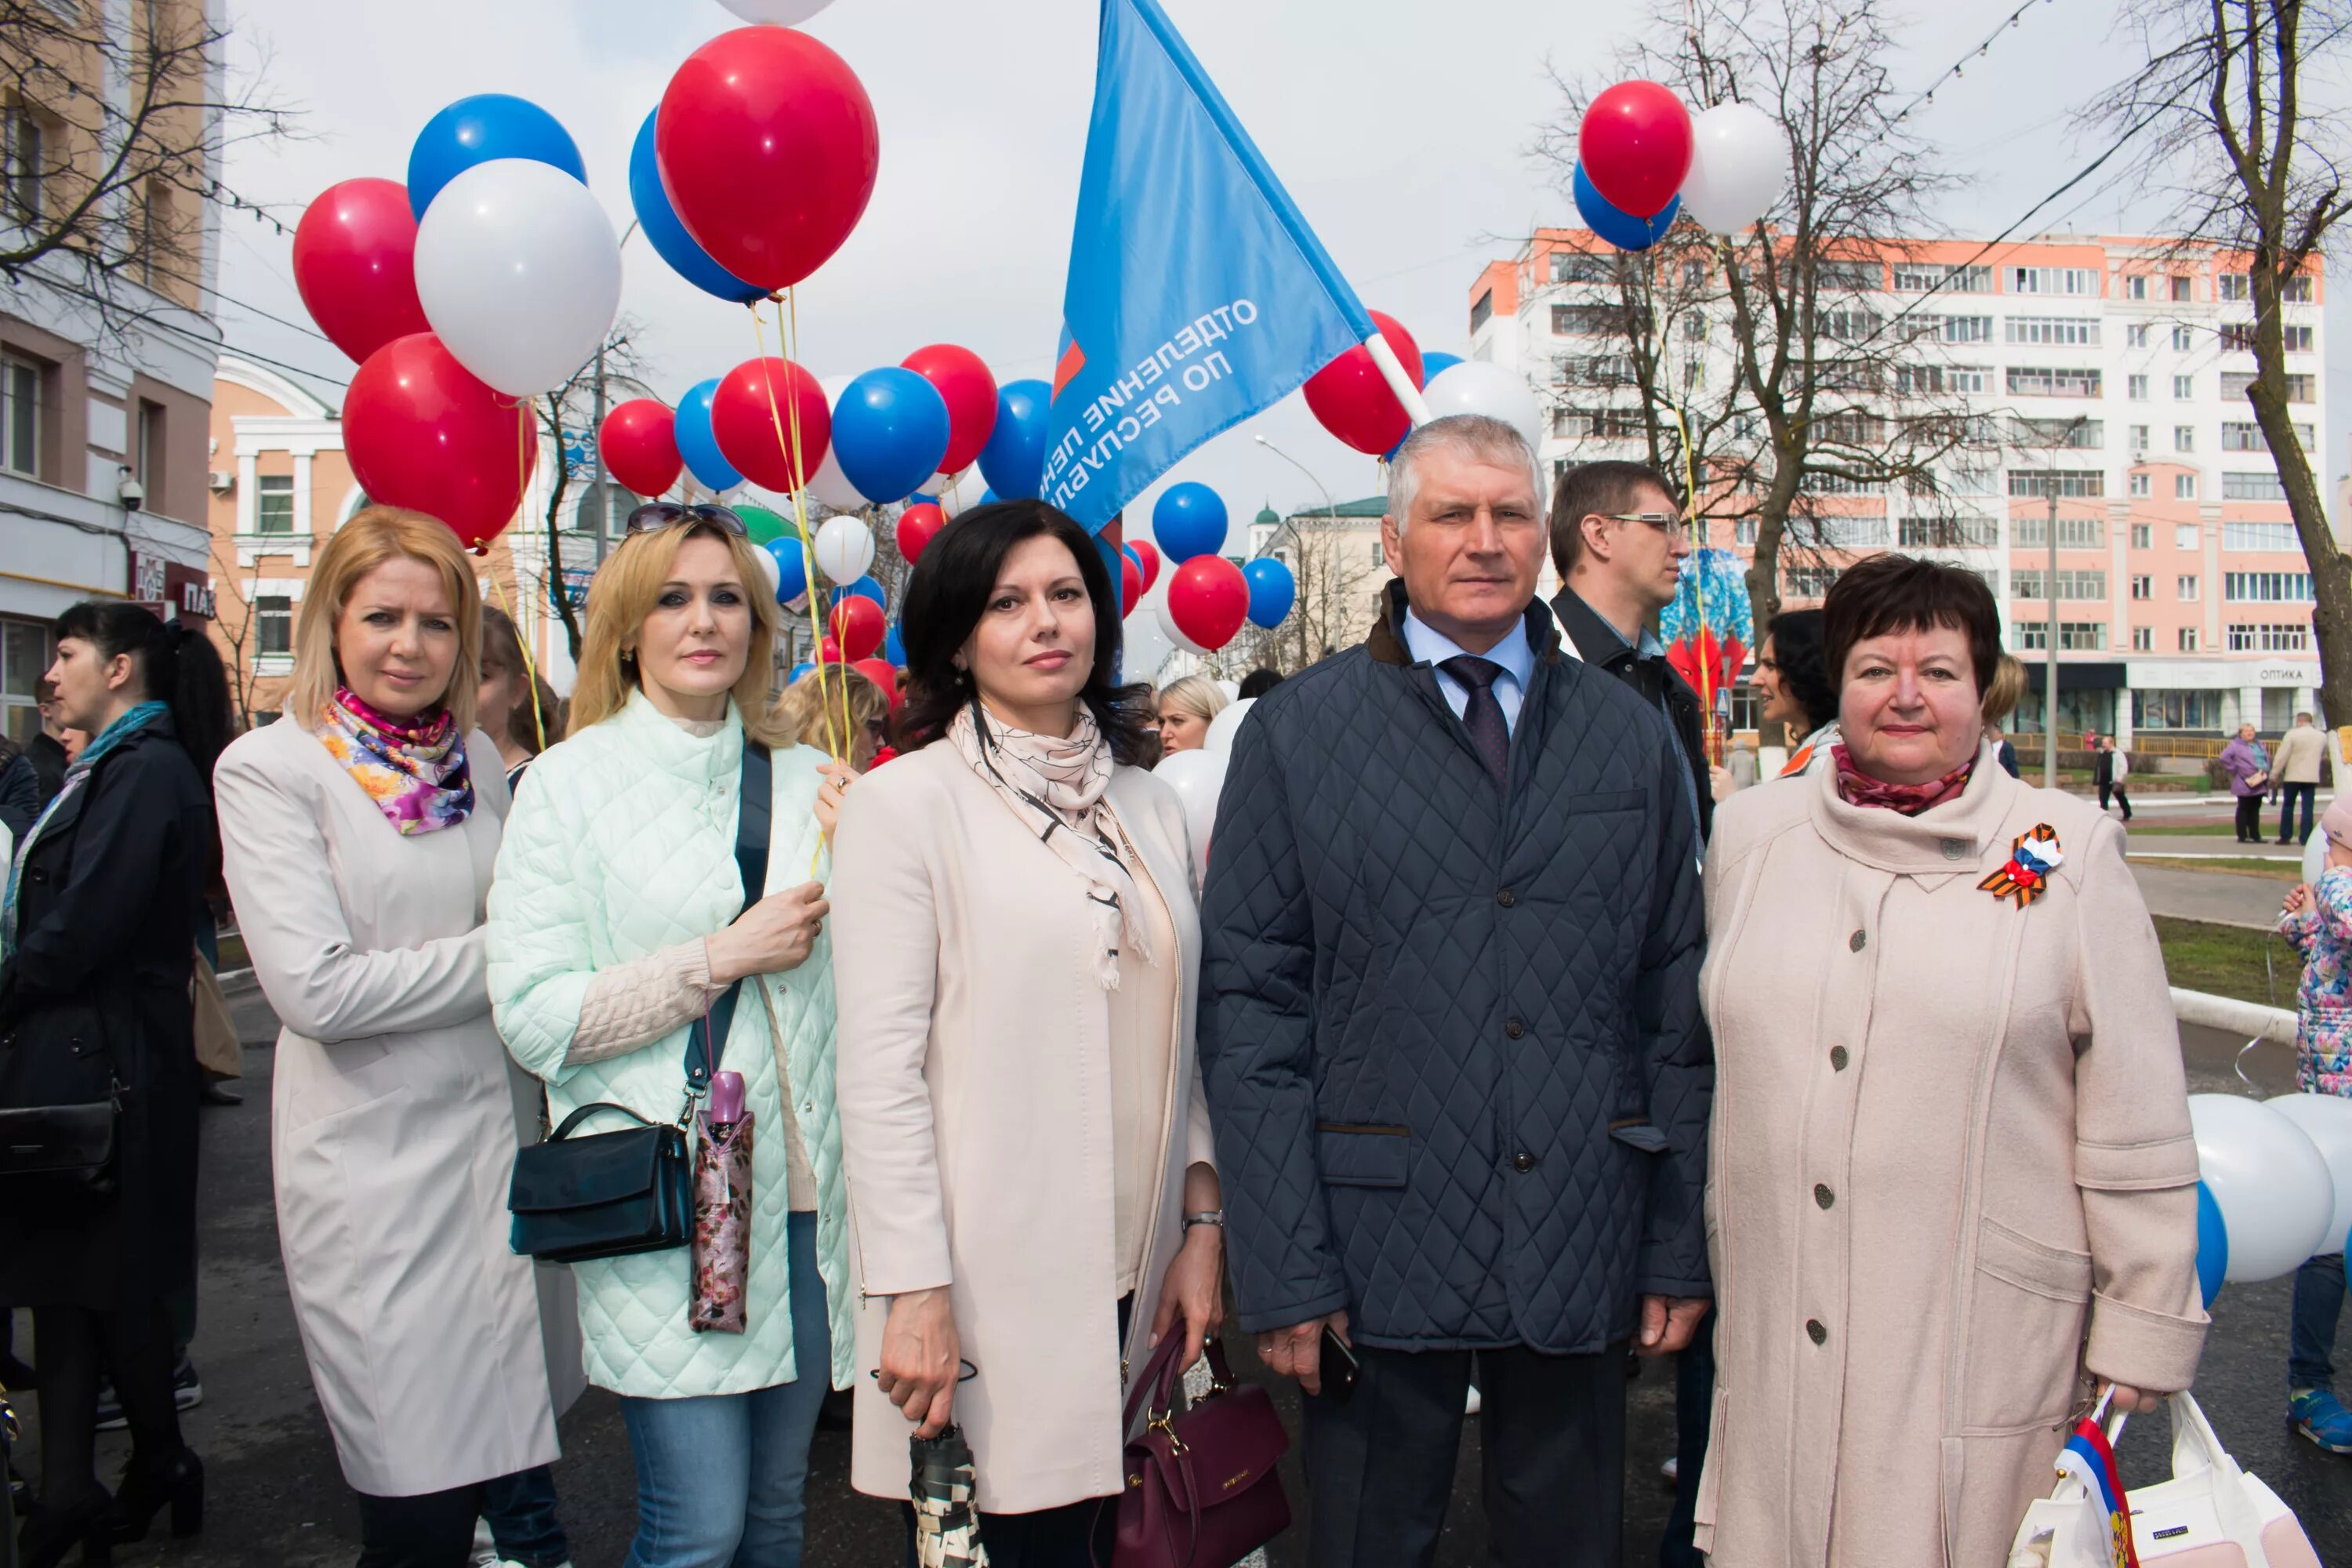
393	1131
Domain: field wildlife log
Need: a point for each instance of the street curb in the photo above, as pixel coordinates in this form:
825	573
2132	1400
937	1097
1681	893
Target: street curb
2250	1018
237	982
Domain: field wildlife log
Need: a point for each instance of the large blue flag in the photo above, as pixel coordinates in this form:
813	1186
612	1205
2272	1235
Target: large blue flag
1197	297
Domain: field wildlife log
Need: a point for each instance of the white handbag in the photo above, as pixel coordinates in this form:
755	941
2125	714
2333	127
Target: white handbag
2211	1514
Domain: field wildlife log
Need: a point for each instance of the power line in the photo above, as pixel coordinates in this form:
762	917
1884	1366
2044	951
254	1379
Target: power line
1953	71
177	330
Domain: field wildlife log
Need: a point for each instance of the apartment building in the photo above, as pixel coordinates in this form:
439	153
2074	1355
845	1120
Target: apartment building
2109	370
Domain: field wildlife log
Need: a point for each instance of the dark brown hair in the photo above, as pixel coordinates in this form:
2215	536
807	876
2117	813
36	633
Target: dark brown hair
1899	593
1595	487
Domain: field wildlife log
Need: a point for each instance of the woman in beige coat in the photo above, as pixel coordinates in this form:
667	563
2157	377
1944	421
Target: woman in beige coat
1951	1185
1032	1193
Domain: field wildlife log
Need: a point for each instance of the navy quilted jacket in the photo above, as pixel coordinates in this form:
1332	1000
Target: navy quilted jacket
1451	1036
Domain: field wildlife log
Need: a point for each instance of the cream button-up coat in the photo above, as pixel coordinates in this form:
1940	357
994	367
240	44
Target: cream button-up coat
976	1116
1950	1176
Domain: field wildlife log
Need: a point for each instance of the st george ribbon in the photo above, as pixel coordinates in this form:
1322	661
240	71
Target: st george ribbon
1197	296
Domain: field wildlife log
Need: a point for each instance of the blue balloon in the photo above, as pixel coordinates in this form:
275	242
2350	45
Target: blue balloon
1432	364
478	128
1188	519
864	588
803	667
1272	591
792	568
667	235
1129	550
2212	1244
1013	461
1619	227
987	497
894	646
889	432
698	446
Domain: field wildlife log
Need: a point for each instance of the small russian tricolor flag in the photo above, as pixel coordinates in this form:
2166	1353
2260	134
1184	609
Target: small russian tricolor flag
2089	1459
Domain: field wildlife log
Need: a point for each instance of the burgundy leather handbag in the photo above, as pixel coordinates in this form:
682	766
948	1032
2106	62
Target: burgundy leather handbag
1201	1491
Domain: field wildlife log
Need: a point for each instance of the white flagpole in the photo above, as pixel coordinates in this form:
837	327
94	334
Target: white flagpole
1393	371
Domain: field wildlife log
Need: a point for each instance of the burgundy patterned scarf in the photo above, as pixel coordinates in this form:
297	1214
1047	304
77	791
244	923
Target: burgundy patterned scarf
1858	788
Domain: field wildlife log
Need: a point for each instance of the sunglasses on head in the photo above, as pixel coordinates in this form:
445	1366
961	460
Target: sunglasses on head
655	516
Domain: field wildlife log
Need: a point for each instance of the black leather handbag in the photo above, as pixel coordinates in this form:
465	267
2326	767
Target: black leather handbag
610	1194
62	1151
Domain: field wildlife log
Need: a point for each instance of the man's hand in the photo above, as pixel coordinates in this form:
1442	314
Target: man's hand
1297	1350
1668	1323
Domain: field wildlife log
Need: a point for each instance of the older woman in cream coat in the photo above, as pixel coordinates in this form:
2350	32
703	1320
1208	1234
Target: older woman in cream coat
1951	1183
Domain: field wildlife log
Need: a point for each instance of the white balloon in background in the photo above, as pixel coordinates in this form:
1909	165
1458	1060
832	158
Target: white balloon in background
2326	1118
1739	167
1228	723
2314	861
1143	647
1197	777
776	12
844	547
1168	622
2276	1195
775	572
518	272
829	484
958	495
1474	386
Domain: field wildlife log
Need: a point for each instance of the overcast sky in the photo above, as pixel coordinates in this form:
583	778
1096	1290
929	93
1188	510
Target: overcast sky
1400	126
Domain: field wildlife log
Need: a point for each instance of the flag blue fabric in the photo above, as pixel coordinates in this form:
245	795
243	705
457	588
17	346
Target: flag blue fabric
1197	294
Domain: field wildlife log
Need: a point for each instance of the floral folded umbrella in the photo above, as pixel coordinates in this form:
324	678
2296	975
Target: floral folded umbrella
947	1526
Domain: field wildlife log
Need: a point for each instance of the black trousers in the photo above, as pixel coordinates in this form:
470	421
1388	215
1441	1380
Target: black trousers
1551	1433
434	1530
2289	794
2121	798
72	1347
2250	819
1693	1416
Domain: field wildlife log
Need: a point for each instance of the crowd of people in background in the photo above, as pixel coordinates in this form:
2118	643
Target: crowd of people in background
1506	1034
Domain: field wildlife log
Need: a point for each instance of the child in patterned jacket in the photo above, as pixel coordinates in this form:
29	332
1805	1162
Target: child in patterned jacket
2318	920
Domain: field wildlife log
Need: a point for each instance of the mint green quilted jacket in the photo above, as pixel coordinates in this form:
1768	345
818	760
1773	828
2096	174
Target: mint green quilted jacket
622	842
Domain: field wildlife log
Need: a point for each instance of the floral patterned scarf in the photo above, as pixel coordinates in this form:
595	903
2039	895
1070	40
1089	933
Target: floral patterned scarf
414	769
1858	788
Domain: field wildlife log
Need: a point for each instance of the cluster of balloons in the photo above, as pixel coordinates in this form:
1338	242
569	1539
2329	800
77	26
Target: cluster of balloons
1208	596
1353	400
488	279
2277	1184
1642	159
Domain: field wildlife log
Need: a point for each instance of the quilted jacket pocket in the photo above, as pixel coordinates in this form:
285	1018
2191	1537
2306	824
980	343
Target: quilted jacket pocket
1362	1155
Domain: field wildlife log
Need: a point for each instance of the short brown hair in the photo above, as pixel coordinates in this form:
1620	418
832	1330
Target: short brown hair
374	535
1900	594
1595	489
2007	685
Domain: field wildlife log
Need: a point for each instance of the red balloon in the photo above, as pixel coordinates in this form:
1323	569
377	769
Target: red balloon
828	652
880	672
1208	598
767	149
355	265
918	526
422	432
1353	399
1148	554
962	380
857	626
1130	586
639	440
752	419
1635	145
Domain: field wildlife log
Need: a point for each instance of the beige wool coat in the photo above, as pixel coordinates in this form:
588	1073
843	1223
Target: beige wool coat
1950	1172
975	1098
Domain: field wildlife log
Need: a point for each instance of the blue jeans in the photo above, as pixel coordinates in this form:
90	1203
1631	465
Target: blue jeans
2311	1339
720	1477
2288	795
521	1511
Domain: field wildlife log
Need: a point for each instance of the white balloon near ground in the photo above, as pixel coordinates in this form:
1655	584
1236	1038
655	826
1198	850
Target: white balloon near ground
2276	1194
2326	1120
776	12
519	273
1739	167
1197	777
844	547
1228	724
1474	386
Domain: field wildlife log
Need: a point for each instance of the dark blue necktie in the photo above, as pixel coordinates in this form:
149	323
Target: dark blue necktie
1482	715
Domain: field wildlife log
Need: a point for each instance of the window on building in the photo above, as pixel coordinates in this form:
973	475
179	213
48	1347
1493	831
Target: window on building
273	624
23	164
2182	341
1973	481
1932	380
2136	388
2143	639
1947	533
2074	533
2267	637
1589	320
1577	266
2234	286
2086	435
2074	636
2184	437
1594	370
2136	335
1693	326
151	231
2237	337
2254	485
1599	423
2065	381
2140	438
1694	277
24	386
2302	386
24	653
2184	388
2136	288
1816	482
2176	709
1849	275
2188	639
2025	583
2246	436
1694	374
2270	536
2057	482
2297	289
2143	587
2184	587
1920	278
1966	329
2298	340
147	457
1482	309
2188	536
1811	582
2184	487
2266	587
1743	530
273	504
2139	486
2079	280
2181	286
2068	332
2139	536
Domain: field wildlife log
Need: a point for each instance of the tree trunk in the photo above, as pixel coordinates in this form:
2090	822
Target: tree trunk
2331	570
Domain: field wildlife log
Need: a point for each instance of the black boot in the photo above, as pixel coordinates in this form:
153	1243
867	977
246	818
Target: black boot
146	1488
49	1533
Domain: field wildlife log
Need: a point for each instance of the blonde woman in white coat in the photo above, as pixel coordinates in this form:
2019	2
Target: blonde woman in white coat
1033	1194
358	835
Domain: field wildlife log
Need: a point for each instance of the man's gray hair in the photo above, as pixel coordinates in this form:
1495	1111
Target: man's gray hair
1476	436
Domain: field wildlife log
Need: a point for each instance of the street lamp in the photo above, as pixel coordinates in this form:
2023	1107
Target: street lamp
1329	510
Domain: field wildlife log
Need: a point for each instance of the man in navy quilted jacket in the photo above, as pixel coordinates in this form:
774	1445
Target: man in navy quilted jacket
1450	1035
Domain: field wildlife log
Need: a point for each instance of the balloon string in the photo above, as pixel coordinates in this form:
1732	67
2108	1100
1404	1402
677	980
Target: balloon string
555	569
790	449
1698	586
788	327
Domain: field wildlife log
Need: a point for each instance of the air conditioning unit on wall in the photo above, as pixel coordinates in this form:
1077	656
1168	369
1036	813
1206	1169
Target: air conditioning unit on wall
222	480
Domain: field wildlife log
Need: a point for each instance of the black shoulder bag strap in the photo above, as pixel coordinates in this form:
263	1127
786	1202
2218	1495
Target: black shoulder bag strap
706	1040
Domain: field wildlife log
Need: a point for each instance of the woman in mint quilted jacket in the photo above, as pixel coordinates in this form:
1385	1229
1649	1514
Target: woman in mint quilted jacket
612	925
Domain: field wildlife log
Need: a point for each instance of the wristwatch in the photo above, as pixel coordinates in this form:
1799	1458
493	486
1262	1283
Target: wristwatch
1206	1216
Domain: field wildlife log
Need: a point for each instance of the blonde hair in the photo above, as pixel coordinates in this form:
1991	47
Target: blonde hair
2008	686
623	593
805	708
1197	695
374	535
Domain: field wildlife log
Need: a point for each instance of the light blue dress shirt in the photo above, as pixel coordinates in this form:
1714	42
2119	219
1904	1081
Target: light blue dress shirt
1513	654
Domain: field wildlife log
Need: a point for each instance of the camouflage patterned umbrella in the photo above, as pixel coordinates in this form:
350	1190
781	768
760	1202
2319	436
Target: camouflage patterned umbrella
947	1526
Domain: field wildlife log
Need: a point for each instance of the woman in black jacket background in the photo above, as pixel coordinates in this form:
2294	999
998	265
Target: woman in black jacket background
97	936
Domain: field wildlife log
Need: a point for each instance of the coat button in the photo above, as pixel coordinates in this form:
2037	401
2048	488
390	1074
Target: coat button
1955	848
1814	1331
1523	1163
1823	1195
1838	1058
1515	1029
1857	942
1507	898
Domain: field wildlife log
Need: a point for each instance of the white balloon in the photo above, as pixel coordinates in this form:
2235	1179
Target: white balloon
1197	777
2276	1195
518	272
829	484
2315	858
776	12
1167	624
844	547
1143	647
1228	723
1474	386
1739	167
775	572
2326	1118
958	495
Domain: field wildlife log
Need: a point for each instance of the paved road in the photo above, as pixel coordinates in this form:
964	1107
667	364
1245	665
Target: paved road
2222	897
279	1501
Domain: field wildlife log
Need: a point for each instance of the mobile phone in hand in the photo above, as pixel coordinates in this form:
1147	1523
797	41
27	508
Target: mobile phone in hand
1338	1368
